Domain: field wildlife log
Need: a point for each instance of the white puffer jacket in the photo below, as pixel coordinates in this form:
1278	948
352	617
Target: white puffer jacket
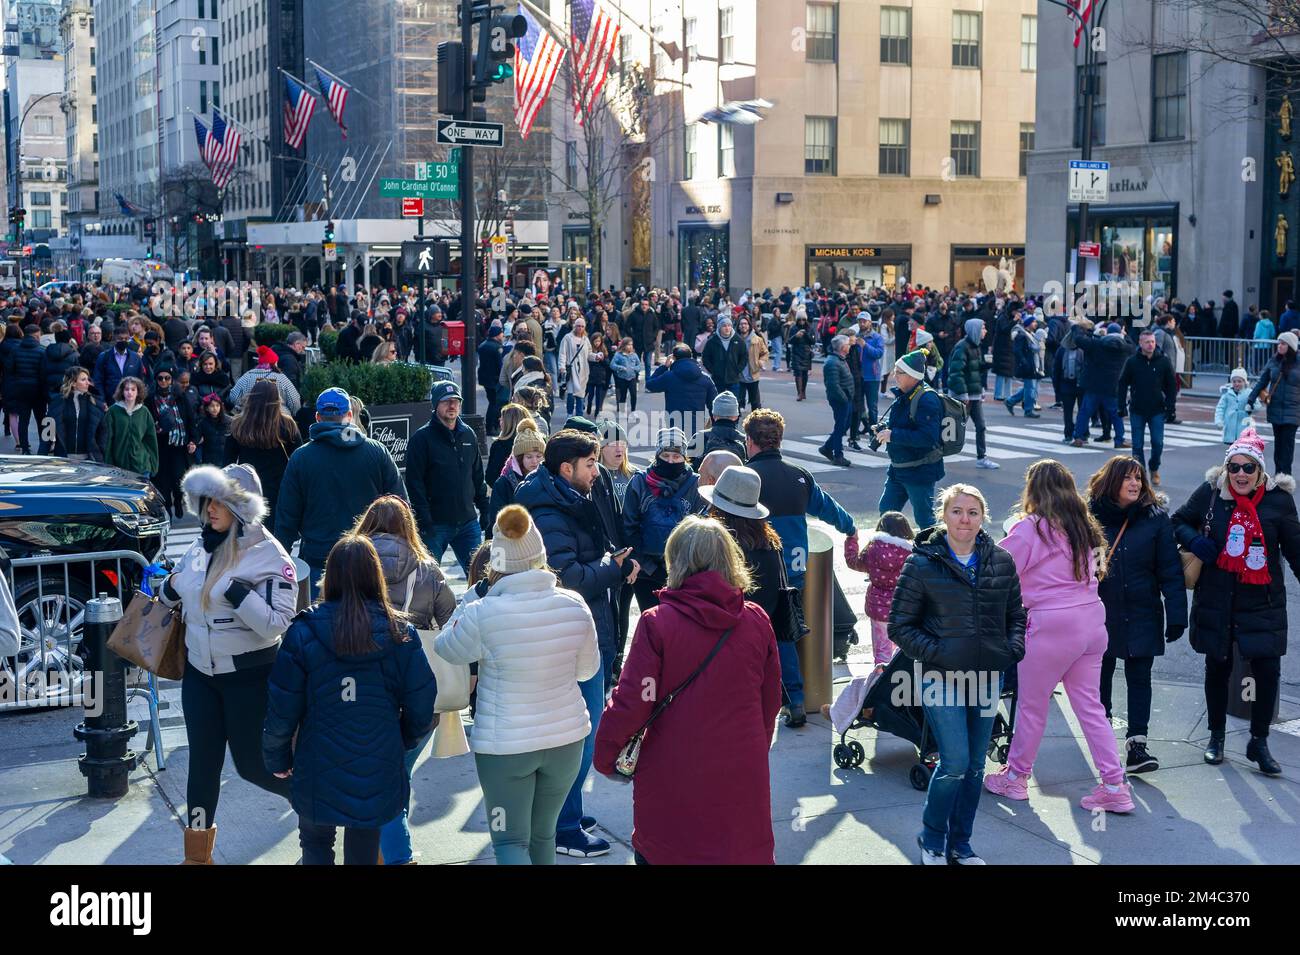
533	643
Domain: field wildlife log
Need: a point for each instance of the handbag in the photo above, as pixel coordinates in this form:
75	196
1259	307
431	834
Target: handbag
787	616
151	636
1118	537
630	754
451	679
1191	563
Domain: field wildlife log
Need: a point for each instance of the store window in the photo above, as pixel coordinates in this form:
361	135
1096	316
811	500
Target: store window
576	249
857	267
703	255
1137	245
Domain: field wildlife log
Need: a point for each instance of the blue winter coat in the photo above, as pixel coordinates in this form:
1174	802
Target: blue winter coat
355	718
912	438
873	350
1230	413
577	548
687	390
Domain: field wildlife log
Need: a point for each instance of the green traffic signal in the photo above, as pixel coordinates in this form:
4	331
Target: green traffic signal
503	71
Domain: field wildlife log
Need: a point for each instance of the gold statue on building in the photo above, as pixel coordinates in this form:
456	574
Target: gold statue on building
1284	115
1279	236
1286	167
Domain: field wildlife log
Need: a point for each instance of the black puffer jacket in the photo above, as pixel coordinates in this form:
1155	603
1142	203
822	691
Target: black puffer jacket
1283	383
1222	607
1103	360
56	361
1143	567
799	347
935	603
24	385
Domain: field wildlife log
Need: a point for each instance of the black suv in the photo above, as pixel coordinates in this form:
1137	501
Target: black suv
51	507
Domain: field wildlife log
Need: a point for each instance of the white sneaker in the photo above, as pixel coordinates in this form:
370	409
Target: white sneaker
928	857
986	464
966	860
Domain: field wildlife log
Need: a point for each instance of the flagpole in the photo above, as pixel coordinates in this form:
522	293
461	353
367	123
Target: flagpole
339	79
302	83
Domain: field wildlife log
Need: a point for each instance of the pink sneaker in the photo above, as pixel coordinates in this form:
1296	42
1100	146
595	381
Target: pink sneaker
1103	798
1002	783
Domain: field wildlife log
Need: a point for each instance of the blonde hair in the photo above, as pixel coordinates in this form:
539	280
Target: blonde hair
953	491
698	544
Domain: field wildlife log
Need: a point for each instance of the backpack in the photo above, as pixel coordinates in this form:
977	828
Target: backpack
660	516
952	427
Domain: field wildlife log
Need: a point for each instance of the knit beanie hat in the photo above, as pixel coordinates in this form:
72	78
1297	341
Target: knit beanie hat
516	544
923	337
726	405
527	439
671	439
1291	339
1114	328
1239	373
610	432
1249	444
912	364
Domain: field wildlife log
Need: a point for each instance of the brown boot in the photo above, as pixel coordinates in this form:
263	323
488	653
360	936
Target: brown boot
198	846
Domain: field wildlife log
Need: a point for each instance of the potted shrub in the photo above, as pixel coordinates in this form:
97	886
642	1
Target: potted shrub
269	333
396	396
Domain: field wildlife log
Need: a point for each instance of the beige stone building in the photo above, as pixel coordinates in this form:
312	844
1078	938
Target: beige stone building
894	147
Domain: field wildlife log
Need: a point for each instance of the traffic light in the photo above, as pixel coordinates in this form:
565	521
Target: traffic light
494	59
329	231
17	215
451	79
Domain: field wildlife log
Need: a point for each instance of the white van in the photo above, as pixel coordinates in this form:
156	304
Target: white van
131	271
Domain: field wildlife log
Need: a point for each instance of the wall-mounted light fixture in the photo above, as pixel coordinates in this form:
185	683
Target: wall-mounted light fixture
933	199
783	198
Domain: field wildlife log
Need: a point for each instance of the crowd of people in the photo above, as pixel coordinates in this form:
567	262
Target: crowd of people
558	532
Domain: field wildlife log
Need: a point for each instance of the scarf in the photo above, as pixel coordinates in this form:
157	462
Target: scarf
1243	554
212	539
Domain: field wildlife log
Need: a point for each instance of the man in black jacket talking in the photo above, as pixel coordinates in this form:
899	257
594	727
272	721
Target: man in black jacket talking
1147	388
444	474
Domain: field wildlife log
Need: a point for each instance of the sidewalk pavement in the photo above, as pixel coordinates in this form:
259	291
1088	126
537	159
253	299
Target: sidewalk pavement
1187	812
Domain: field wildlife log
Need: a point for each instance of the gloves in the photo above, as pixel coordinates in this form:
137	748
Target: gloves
1173	632
1250	407
1204	548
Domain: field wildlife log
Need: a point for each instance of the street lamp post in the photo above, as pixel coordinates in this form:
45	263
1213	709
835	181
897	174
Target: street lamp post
18	177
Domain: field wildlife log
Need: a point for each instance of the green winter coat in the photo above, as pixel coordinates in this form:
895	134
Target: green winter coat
966	371
130	441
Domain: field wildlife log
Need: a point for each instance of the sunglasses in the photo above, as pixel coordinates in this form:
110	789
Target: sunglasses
1242	468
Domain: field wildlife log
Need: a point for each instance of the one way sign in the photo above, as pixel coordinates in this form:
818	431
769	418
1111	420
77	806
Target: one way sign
456	132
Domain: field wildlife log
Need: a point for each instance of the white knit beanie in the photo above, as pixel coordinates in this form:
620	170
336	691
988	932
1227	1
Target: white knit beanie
516	544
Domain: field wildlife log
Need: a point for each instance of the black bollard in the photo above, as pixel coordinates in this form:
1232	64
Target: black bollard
107	762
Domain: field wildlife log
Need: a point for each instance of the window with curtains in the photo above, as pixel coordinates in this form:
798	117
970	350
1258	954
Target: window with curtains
966	39
726	150
1026	147
1029	44
894	147
819	145
966	149
689	151
819	44
896	35
1169	96
726	35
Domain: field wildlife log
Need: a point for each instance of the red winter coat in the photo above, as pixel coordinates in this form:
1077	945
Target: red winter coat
882	561
701	795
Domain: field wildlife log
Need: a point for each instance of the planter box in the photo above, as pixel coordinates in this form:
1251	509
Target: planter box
393	425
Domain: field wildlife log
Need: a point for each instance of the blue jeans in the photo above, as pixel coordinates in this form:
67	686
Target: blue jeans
1001	387
871	391
573	404
835	443
898	492
1108	405
1157	425
593	694
313	579
791	677
961	729
395	836
464	540
1028	394
776	348
551	362
647	362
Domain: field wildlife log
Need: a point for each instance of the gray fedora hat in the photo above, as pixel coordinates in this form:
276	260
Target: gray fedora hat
737	493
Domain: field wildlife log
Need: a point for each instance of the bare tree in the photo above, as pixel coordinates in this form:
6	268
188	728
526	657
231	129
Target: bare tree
187	192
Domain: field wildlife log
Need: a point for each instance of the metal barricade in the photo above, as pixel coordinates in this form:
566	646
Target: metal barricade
1208	362
49	669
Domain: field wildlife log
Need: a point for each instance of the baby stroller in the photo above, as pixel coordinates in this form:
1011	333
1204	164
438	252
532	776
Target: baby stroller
904	717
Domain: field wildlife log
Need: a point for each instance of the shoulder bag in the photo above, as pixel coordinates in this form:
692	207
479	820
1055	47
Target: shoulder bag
1191	563
630	754
451	679
1118	537
151	636
787	616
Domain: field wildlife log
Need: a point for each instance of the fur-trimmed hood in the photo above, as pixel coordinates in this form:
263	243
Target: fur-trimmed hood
887	539
237	486
1217	476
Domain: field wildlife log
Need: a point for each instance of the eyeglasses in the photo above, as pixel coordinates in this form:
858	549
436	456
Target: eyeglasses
1235	468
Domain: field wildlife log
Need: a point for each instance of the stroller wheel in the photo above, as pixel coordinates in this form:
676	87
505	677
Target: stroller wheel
1003	750
859	754
920	777
843	756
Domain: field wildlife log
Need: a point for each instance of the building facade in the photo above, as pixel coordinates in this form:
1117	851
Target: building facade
891	144
1196	200
81	130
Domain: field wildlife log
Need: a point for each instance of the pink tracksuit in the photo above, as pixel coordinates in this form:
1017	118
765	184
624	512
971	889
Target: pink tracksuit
1064	643
882	561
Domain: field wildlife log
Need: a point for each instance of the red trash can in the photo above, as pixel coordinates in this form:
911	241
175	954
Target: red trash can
455	339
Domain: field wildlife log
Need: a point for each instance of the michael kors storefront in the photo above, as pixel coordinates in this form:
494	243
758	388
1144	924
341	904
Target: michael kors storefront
857	266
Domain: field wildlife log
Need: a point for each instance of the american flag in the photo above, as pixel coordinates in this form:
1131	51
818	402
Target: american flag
201	134
595	34
298	107
222	150
336	97
537	62
1079	12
